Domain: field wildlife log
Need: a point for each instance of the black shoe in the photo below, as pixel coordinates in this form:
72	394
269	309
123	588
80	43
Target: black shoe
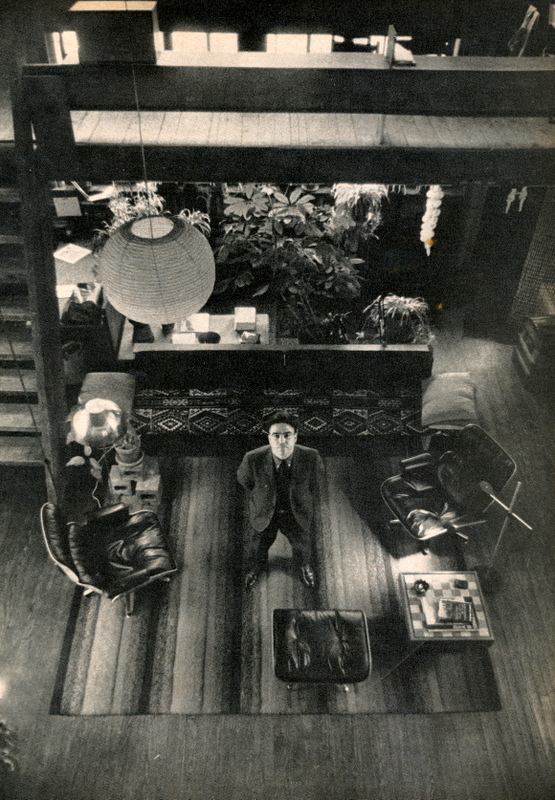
168	328
307	575
252	577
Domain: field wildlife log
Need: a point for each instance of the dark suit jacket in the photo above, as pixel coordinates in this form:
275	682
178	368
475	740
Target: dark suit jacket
256	474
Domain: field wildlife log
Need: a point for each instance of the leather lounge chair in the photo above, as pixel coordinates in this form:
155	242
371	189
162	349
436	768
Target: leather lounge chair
114	553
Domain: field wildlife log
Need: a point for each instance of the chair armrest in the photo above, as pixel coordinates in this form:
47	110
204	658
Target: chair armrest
55	538
463	522
420	472
111	515
458	524
415	462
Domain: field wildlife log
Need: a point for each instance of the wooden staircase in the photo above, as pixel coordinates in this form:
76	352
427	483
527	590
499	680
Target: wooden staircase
19	411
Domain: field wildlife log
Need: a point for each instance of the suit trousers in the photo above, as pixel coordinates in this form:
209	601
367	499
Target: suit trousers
298	538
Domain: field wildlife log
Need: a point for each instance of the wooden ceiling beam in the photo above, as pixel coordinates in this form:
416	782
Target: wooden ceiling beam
260	82
314	165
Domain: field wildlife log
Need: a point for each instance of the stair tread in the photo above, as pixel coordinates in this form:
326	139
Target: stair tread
22	347
20	451
14	313
9	194
12	275
10	380
17	418
11	238
19	299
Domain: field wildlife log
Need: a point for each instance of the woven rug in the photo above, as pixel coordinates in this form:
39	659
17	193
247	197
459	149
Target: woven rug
364	412
200	645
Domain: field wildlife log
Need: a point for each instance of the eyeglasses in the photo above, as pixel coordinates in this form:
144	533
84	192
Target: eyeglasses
281	435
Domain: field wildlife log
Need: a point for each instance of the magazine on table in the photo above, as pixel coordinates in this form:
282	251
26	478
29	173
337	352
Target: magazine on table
448	613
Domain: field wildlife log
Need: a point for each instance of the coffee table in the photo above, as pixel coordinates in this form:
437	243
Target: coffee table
442	586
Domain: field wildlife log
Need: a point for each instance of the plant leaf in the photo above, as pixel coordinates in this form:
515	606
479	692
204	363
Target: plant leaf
261	290
76	461
295	194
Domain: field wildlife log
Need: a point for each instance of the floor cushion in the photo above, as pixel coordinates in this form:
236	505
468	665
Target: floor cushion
449	401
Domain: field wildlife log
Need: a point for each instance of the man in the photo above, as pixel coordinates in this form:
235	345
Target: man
281	479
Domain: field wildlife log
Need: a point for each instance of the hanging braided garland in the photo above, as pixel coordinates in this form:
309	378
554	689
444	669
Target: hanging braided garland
431	216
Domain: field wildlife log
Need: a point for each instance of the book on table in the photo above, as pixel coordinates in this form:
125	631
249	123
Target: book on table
447	613
454	611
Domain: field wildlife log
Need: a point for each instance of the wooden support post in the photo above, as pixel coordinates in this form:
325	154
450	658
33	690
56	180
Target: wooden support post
36	226
389	52
475	198
49	113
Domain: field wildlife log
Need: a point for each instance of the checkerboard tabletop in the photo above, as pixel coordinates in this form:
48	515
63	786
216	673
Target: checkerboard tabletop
442	586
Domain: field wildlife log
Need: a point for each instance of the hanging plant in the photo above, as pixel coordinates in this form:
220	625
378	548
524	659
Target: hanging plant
434	196
137	200
357	205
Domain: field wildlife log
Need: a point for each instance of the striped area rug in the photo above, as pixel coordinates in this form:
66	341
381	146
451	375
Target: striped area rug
199	645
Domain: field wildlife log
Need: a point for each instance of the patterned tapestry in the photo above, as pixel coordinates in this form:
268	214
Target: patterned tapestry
364	412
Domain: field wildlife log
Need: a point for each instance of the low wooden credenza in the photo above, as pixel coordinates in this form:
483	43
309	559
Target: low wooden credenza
356	389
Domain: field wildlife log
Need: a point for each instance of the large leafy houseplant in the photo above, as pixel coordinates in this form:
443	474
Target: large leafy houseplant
278	242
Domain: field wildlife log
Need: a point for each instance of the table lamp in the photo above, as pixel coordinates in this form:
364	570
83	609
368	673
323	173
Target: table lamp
99	423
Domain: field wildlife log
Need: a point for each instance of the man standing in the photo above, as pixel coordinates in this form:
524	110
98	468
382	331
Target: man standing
281	479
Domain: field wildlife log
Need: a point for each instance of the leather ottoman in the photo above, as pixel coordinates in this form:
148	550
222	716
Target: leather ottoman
328	646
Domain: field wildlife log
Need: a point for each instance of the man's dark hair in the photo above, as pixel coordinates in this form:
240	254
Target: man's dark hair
284	417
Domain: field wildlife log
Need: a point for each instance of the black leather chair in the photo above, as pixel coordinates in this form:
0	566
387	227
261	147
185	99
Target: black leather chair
114	553
437	494
327	646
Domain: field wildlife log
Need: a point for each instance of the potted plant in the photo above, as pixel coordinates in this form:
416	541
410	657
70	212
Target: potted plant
128	449
393	319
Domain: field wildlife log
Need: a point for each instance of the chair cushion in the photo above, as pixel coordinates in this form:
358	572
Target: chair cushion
321	646
461	482
122	557
448	400
409	501
116	386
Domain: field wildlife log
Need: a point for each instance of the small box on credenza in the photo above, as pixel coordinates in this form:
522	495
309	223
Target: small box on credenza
245	318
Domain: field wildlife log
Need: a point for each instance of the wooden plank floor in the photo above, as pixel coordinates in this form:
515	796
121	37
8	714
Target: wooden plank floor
233	129
492	756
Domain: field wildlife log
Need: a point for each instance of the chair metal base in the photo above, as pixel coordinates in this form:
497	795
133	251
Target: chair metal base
292	687
129	603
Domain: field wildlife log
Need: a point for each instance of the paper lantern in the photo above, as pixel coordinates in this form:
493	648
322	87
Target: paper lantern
157	269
